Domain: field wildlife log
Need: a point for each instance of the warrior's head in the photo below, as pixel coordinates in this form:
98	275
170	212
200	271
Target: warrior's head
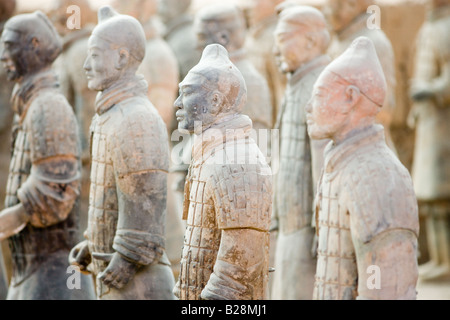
300	36
30	44
258	11
212	90
143	10
340	13
220	23
116	48
348	93
169	10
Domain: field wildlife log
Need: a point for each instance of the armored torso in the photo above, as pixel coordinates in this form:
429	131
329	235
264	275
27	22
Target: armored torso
45	128
363	192
225	188
294	194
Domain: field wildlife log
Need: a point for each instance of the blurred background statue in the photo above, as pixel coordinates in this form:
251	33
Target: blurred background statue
261	17
41	215
7	8
72	78
430	115
301	39
179	33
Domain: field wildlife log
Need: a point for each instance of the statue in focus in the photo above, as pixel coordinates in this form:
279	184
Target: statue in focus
349	19
430	115
41	215
228	192
366	210
301	39
125	243
225	24
160	69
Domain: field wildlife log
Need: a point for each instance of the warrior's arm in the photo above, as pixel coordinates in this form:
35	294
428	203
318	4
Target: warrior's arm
140	167
243	215
52	188
50	192
240	261
140	227
387	268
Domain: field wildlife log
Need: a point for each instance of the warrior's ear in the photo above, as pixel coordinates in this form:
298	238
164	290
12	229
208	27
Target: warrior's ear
217	101
34	43
123	58
352	96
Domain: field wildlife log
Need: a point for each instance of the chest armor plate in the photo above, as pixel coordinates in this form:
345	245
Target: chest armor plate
202	237
336	275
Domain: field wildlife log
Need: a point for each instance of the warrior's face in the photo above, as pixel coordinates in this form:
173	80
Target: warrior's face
15	54
324	112
208	33
291	48
170	9
101	64
340	13
194	104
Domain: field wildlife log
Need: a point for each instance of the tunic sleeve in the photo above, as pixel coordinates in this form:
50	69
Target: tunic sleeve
140	157
243	207
52	188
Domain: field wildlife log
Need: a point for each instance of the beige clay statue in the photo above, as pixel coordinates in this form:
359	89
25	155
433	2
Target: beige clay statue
430	114
179	33
366	210
125	246
7	8
160	69
301	39
41	216
225	24
349	19
228	188
262	20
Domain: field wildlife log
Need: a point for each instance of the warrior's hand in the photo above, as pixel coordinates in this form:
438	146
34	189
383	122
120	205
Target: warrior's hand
12	221
119	272
80	256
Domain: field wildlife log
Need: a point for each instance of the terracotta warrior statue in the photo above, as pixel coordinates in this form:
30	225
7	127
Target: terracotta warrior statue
301	39
124	246
228	188
40	219
348	19
160	66
160	69
430	92
262	20
7	8
225	24
179	33
366	210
